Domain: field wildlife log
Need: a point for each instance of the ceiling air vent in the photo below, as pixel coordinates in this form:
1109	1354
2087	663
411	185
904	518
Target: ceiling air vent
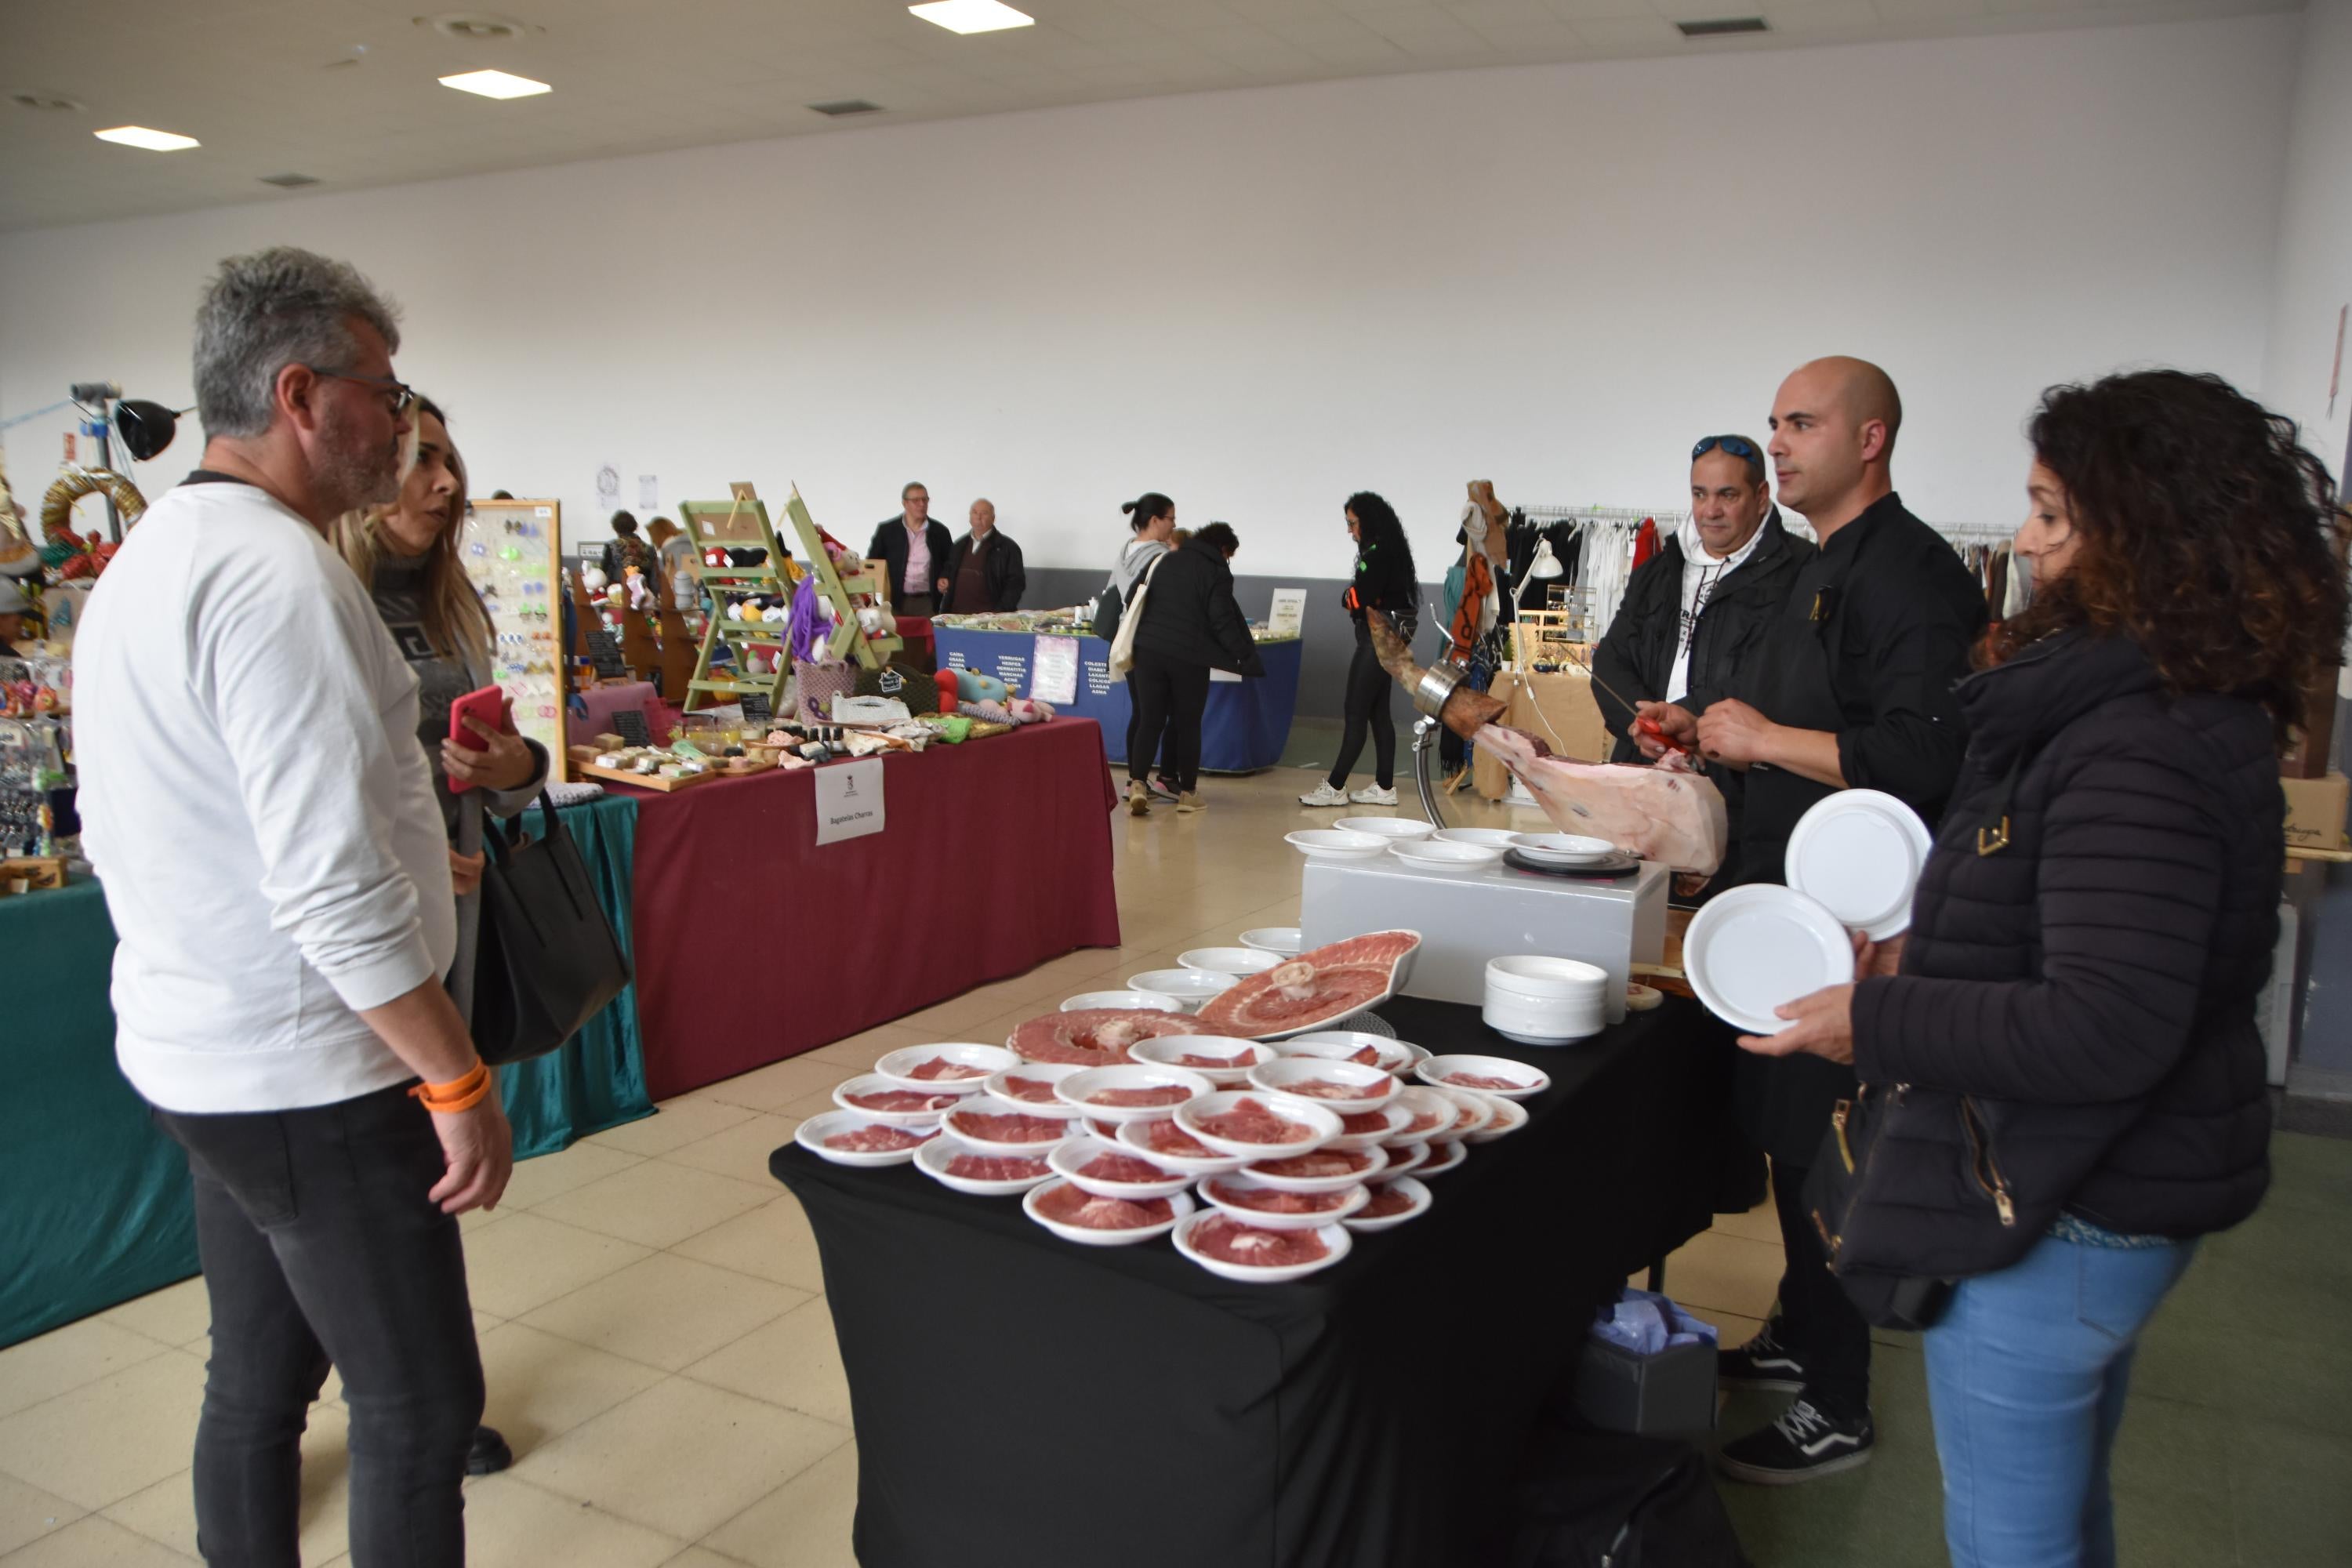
842	105
475	26
1724	28
290	181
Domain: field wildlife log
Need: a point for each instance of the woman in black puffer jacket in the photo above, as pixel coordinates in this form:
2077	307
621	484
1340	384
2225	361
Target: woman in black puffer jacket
1189	625
2092	934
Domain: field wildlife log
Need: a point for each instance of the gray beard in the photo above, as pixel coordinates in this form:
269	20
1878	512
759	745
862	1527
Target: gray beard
351	478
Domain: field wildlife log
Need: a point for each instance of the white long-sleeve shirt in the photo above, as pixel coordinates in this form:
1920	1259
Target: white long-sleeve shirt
258	807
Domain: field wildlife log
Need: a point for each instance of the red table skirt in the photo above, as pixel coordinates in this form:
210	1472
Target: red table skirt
752	943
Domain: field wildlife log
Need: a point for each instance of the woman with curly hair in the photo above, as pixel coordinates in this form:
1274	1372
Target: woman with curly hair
2089	940
1383	583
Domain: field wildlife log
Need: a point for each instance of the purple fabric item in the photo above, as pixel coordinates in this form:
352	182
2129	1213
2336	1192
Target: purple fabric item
804	628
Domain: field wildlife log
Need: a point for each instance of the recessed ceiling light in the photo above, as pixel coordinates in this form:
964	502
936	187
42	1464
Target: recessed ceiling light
154	141
972	16
496	84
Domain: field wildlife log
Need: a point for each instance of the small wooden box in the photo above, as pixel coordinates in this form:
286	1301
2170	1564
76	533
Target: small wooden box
39	873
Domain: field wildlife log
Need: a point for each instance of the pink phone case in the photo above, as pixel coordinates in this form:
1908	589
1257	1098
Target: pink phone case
489	705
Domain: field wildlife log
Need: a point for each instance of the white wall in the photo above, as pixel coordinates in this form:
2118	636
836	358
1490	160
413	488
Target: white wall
2315	251
1259	302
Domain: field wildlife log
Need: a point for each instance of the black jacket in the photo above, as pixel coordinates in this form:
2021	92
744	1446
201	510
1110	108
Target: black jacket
1636	658
890	546
1190	614
1001	574
2099	973
1384	580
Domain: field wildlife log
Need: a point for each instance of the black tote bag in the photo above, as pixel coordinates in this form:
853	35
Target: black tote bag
547	960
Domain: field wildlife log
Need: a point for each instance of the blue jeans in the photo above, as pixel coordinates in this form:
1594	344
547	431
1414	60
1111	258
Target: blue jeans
2027	1373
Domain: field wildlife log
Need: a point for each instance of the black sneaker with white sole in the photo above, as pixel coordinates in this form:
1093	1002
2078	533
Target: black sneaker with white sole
1803	1445
1763	1362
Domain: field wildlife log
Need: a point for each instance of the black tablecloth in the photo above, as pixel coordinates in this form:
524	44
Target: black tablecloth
1021	1400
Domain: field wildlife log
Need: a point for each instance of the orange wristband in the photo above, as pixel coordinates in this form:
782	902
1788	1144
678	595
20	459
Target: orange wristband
458	1094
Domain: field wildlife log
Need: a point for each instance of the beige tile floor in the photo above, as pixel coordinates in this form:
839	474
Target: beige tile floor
651	1307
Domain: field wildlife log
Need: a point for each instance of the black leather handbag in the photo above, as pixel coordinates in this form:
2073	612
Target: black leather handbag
546	960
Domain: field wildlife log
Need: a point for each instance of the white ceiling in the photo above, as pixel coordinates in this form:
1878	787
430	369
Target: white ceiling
345	90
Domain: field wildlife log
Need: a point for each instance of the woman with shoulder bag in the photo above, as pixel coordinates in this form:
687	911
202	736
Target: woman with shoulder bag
1384	580
1186	625
2062	1084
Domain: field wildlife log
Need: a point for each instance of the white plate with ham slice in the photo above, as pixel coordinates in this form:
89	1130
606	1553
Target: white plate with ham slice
848	1138
1327	1170
1261	1203
1007	1126
1509	1117
1351	1045
1443	1157
1131	1001
1224	1061
983	1172
1254	1255
1031	1085
1371	1129
1190	987
1283	940
1108	1170
1473	1113
1432	1114
957	1068
1257	1125
1075	1214
1393	1203
1096	1037
1168	1144
1341	1085
1131	1092
1315	990
1409	1157
892	1103
1497	1075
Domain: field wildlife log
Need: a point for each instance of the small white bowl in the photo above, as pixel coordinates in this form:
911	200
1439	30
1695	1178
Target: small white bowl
1348	1045
1221	1191
1451	858
1136	1136
1541	978
1190	987
1472	1113
1496	838
1321	1122
1241	963
1180	1207
1409	1188
1509	1117
1397	827
1443	1157
1393	1120
934	1158
874	1083
1357	1165
1373	1085
1335	1238
1284	939
1410	1157
1523	1081
1048	1073
1134	1001
1424	1104
1080	1089
961	1121
1240	1056
1335	844
898	1066
1562	848
1071	1158
811	1135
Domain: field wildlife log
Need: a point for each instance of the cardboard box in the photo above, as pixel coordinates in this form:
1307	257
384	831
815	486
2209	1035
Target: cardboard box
1558	707
2316	810
1669	1394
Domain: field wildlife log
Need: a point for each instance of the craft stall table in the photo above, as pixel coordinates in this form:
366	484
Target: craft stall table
98	1200
1015	1394
1245	728
754	942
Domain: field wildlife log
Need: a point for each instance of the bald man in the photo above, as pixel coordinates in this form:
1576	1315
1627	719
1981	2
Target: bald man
1852	690
984	571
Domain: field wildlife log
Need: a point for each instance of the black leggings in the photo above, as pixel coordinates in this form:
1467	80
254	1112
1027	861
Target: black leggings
1172	695
1367	703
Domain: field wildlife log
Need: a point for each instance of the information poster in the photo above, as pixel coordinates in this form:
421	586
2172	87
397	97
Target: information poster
1057	669
848	800
1290	612
509	549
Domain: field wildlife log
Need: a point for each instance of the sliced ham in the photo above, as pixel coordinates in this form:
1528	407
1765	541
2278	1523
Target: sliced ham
1423	1121
1167	1138
1163	1094
1332	1089
1195	1060
1228	1240
983	1126
943	1067
1067	1204
1482	1080
1387	1203
876	1140
1123	1168
1317	987
995	1168
1034	1090
1321	1162
1097	1037
1249	1122
901	1101
1357	1124
1267	1200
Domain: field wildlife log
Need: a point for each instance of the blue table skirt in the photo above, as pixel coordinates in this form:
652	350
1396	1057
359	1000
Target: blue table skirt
1246	728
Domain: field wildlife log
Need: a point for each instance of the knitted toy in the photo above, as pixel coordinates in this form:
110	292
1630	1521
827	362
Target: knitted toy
950	692
973	685
593	578
640	593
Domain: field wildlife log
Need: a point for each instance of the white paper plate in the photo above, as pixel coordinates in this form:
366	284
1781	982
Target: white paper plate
989	1105
1562	848
1322	1121
1133	1136
871	1083
1437	855
1473	1113
1409	1188
1509	1117
1394	1119
1419	1100
1078	1091
1134	1001
1366	1165
1496	838
811	1135
1536	975
1049	1073
1284	939
934	1158
897	1064
1373	1085
1410	1157
1180	1206
1219	1192
1336	844
1162	1050
1346	1045
1443	1157
1525	1081
1858	854
1068	1159
1190	987
1237	962
1754	948
1335	1242
1398	828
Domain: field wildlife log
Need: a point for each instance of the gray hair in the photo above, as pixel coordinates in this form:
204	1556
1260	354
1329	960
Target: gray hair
264	311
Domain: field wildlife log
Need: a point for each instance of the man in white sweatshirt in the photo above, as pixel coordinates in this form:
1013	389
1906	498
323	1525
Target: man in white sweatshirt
263	820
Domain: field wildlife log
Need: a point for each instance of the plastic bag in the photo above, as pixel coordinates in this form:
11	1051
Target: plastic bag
1645	1323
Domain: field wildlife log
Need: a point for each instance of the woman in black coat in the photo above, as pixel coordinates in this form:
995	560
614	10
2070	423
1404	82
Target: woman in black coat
1383	580
2066	1036
1189	625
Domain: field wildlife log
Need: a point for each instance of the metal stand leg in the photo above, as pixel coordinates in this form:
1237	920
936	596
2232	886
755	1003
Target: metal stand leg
1424	741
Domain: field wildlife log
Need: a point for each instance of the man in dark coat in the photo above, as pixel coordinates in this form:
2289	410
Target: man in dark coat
914	549
1853	687
984	571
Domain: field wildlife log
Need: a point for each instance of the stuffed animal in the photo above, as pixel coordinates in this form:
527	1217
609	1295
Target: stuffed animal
1028	711
593	578
951	690
973	685
640	592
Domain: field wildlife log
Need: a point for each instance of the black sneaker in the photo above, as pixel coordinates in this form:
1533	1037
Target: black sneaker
489	1453
1803	1445
1762	1363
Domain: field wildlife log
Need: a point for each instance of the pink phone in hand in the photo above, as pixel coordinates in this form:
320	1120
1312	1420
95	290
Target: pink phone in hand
488	706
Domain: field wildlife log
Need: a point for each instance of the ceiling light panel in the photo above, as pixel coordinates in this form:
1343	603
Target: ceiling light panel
496	84
972	16
154	141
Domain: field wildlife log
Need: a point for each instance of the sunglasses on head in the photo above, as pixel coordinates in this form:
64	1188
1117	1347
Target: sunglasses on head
1736	445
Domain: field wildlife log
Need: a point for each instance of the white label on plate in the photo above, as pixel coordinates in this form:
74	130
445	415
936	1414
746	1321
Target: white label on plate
848	800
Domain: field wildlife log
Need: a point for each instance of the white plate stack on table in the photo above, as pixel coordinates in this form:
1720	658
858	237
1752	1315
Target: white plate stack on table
1496	838
1336	844
1396	829
1533	1000
1237	962
1189	987
1128	1001
1445	854
1283	940
1568	849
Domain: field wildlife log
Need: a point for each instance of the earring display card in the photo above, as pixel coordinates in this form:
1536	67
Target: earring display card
510	549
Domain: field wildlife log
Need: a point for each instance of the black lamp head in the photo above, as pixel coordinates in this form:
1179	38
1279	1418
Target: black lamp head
146	427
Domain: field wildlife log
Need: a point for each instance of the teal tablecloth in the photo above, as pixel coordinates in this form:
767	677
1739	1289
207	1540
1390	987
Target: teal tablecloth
94	1205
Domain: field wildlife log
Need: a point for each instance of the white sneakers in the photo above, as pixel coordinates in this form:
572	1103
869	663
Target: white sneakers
1373	795
1324	794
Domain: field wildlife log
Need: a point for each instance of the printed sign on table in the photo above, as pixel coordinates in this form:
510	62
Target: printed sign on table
848	800
1290	612
1057	670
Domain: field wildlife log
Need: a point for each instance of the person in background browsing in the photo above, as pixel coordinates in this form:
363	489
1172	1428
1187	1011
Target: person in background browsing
626	550
2094	932
674	562
1383	580
1853	689
1152	520
914	550
984	571
1191	625
263	821
1697	612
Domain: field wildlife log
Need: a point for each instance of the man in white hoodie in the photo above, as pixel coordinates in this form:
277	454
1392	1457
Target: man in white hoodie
263	819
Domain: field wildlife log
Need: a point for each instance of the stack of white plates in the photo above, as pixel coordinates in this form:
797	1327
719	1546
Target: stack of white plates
1562	848
1539	1001
1386	827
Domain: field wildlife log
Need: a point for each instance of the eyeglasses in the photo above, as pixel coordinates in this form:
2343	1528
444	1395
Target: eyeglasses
1735	446
401	395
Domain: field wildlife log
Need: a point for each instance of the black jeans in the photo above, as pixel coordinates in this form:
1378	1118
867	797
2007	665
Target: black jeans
1818	1321
1169	694
319	1244
1368	704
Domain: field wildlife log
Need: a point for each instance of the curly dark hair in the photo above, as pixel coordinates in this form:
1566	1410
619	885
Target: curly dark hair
2207	536
1378	522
